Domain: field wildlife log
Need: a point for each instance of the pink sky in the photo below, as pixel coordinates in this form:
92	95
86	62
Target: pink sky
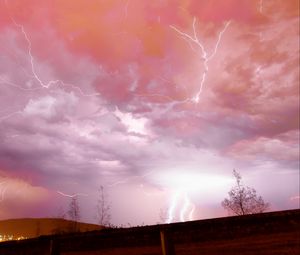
158	101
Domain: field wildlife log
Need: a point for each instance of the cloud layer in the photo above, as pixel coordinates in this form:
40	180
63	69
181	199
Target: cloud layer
135	94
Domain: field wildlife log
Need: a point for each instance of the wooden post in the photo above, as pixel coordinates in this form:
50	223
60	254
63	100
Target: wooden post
54	249
51	247
167	245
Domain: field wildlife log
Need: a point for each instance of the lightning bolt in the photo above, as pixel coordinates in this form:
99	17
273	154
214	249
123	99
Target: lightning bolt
44	85
35	76
193	40
173	206
191	214
3	190
71	195
185	207
186	211
33	69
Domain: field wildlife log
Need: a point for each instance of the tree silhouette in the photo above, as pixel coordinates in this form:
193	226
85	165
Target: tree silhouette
74	213
243	199
103	208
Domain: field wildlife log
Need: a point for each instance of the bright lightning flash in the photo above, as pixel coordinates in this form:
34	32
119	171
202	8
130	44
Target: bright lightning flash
185	184
172	207
186	210
194	40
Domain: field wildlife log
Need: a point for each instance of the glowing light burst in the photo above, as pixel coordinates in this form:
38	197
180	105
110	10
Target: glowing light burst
194	40
185	185
181	200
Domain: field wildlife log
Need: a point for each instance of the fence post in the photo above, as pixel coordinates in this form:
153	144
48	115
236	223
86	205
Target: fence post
166	241
53	248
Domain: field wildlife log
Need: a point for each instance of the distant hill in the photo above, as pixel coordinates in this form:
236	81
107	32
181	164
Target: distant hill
34	227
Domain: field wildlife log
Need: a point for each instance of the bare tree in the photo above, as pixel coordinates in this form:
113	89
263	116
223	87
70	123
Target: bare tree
74	212
103	208
243	199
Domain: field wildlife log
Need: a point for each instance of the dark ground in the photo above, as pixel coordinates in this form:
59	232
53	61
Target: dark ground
275	233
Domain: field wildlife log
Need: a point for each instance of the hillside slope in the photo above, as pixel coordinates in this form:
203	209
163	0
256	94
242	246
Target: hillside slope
34	227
